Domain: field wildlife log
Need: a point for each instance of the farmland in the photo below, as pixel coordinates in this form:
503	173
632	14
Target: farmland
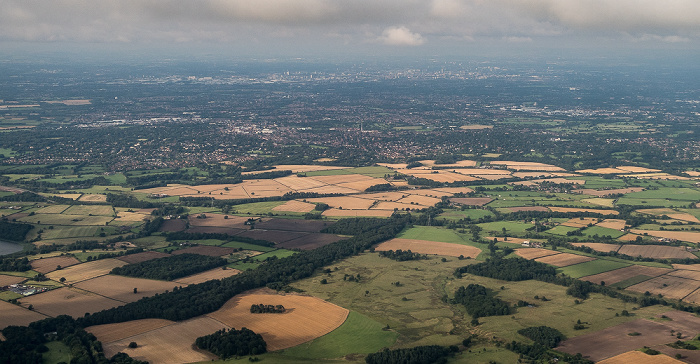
429	247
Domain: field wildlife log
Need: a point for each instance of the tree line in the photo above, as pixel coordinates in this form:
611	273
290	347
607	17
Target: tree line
232	343
402	255
172	267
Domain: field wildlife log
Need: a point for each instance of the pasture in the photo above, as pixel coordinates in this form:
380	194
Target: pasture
593	267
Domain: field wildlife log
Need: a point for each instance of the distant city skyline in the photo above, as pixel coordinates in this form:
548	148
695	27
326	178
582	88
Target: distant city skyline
370	27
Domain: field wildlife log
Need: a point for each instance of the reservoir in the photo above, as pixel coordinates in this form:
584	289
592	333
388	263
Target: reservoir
8	248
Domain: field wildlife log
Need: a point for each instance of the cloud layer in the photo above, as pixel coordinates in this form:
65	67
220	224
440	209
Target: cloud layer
389	22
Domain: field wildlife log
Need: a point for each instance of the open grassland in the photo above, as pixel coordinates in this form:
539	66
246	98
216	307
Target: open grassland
357	335
300	323
68	301
473	214
217	273
114	332
121	288
429	247
561	230
47	265
58	353
593	267
87	270
171	344
15	315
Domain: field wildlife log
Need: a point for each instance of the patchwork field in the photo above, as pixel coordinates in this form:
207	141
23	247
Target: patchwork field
668	286
87	270
626	273
15	315
656	251
564	259
298	325
580	222
171	344
68	301
429	247
105	210
47	265
113	332
209	275
121	288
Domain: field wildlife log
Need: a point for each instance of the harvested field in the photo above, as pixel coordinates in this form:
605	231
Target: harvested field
212	251
616	224
580	222
635	169
420	200
534	253
311	241
300	168
209	275
274	236
656	251
429	193
362	185
528	208
15	315
264	188
604	202
6	280
615	340
638	357
564	259
341	178
678	235
695	267
383	196
330	189
668	286
169	344
93	198
443	176
429	247
603	193
628	237
47	265
673	214
103	210
574	209
173	225
601	247
528	166
299	183
483	171
53	209
694	297
688	274
69	301
142	257
454	190
113	332
602	171
311	226
220	220
622	274
298	325
356	213
471	201
552	180
388	205
295	206
87	270
121	288
344	202
215	230
128	217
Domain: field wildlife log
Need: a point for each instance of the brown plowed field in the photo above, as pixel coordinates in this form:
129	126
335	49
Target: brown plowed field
346	202
574	209
311	226
6	280
678	235
121	288
172	344
275	236
601	247
173	225
113	332
219	220
366	213
668	286
311	241
528	208
209	275
142	257
656	251
299	324
47	265
616	224
564	259
619	275
87	270
212	251
429	247
69	301
637	357
688	274
471	201
14	315
295	206
534	253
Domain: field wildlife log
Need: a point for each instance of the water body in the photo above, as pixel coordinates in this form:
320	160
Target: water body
8	248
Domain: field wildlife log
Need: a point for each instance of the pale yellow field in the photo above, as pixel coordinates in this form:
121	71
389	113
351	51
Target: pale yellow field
673	214
637	357
544	174
602	171
295	206
382	196
693	173
605	202
300	168
452	190
346	202
528	166
53	209
113	332
628	237
298	325
121	288
534	253
15	315
68	301
483	171
476	127
330	189
93	198
688	274
695	267
635	169
342	178
171	344
129	217
363	213
693	297
264	188
209	275
388	205
580	222
87	270
429	247
362	185
420	200
559	180
299	183
693	237
616	224
437	193
564	259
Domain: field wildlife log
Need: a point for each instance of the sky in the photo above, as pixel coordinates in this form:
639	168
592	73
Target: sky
352	26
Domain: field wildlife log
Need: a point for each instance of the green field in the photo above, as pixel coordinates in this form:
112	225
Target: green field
247	246
602	231
685	194
592	267
372	171
657	202
510	226
473	214
358	334
432	233
279	253
257	208
560	230
61	232
104	210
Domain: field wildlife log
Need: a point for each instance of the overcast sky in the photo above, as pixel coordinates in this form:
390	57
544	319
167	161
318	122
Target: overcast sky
354	25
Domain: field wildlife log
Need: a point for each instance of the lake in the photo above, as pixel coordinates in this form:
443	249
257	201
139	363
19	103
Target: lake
8	248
